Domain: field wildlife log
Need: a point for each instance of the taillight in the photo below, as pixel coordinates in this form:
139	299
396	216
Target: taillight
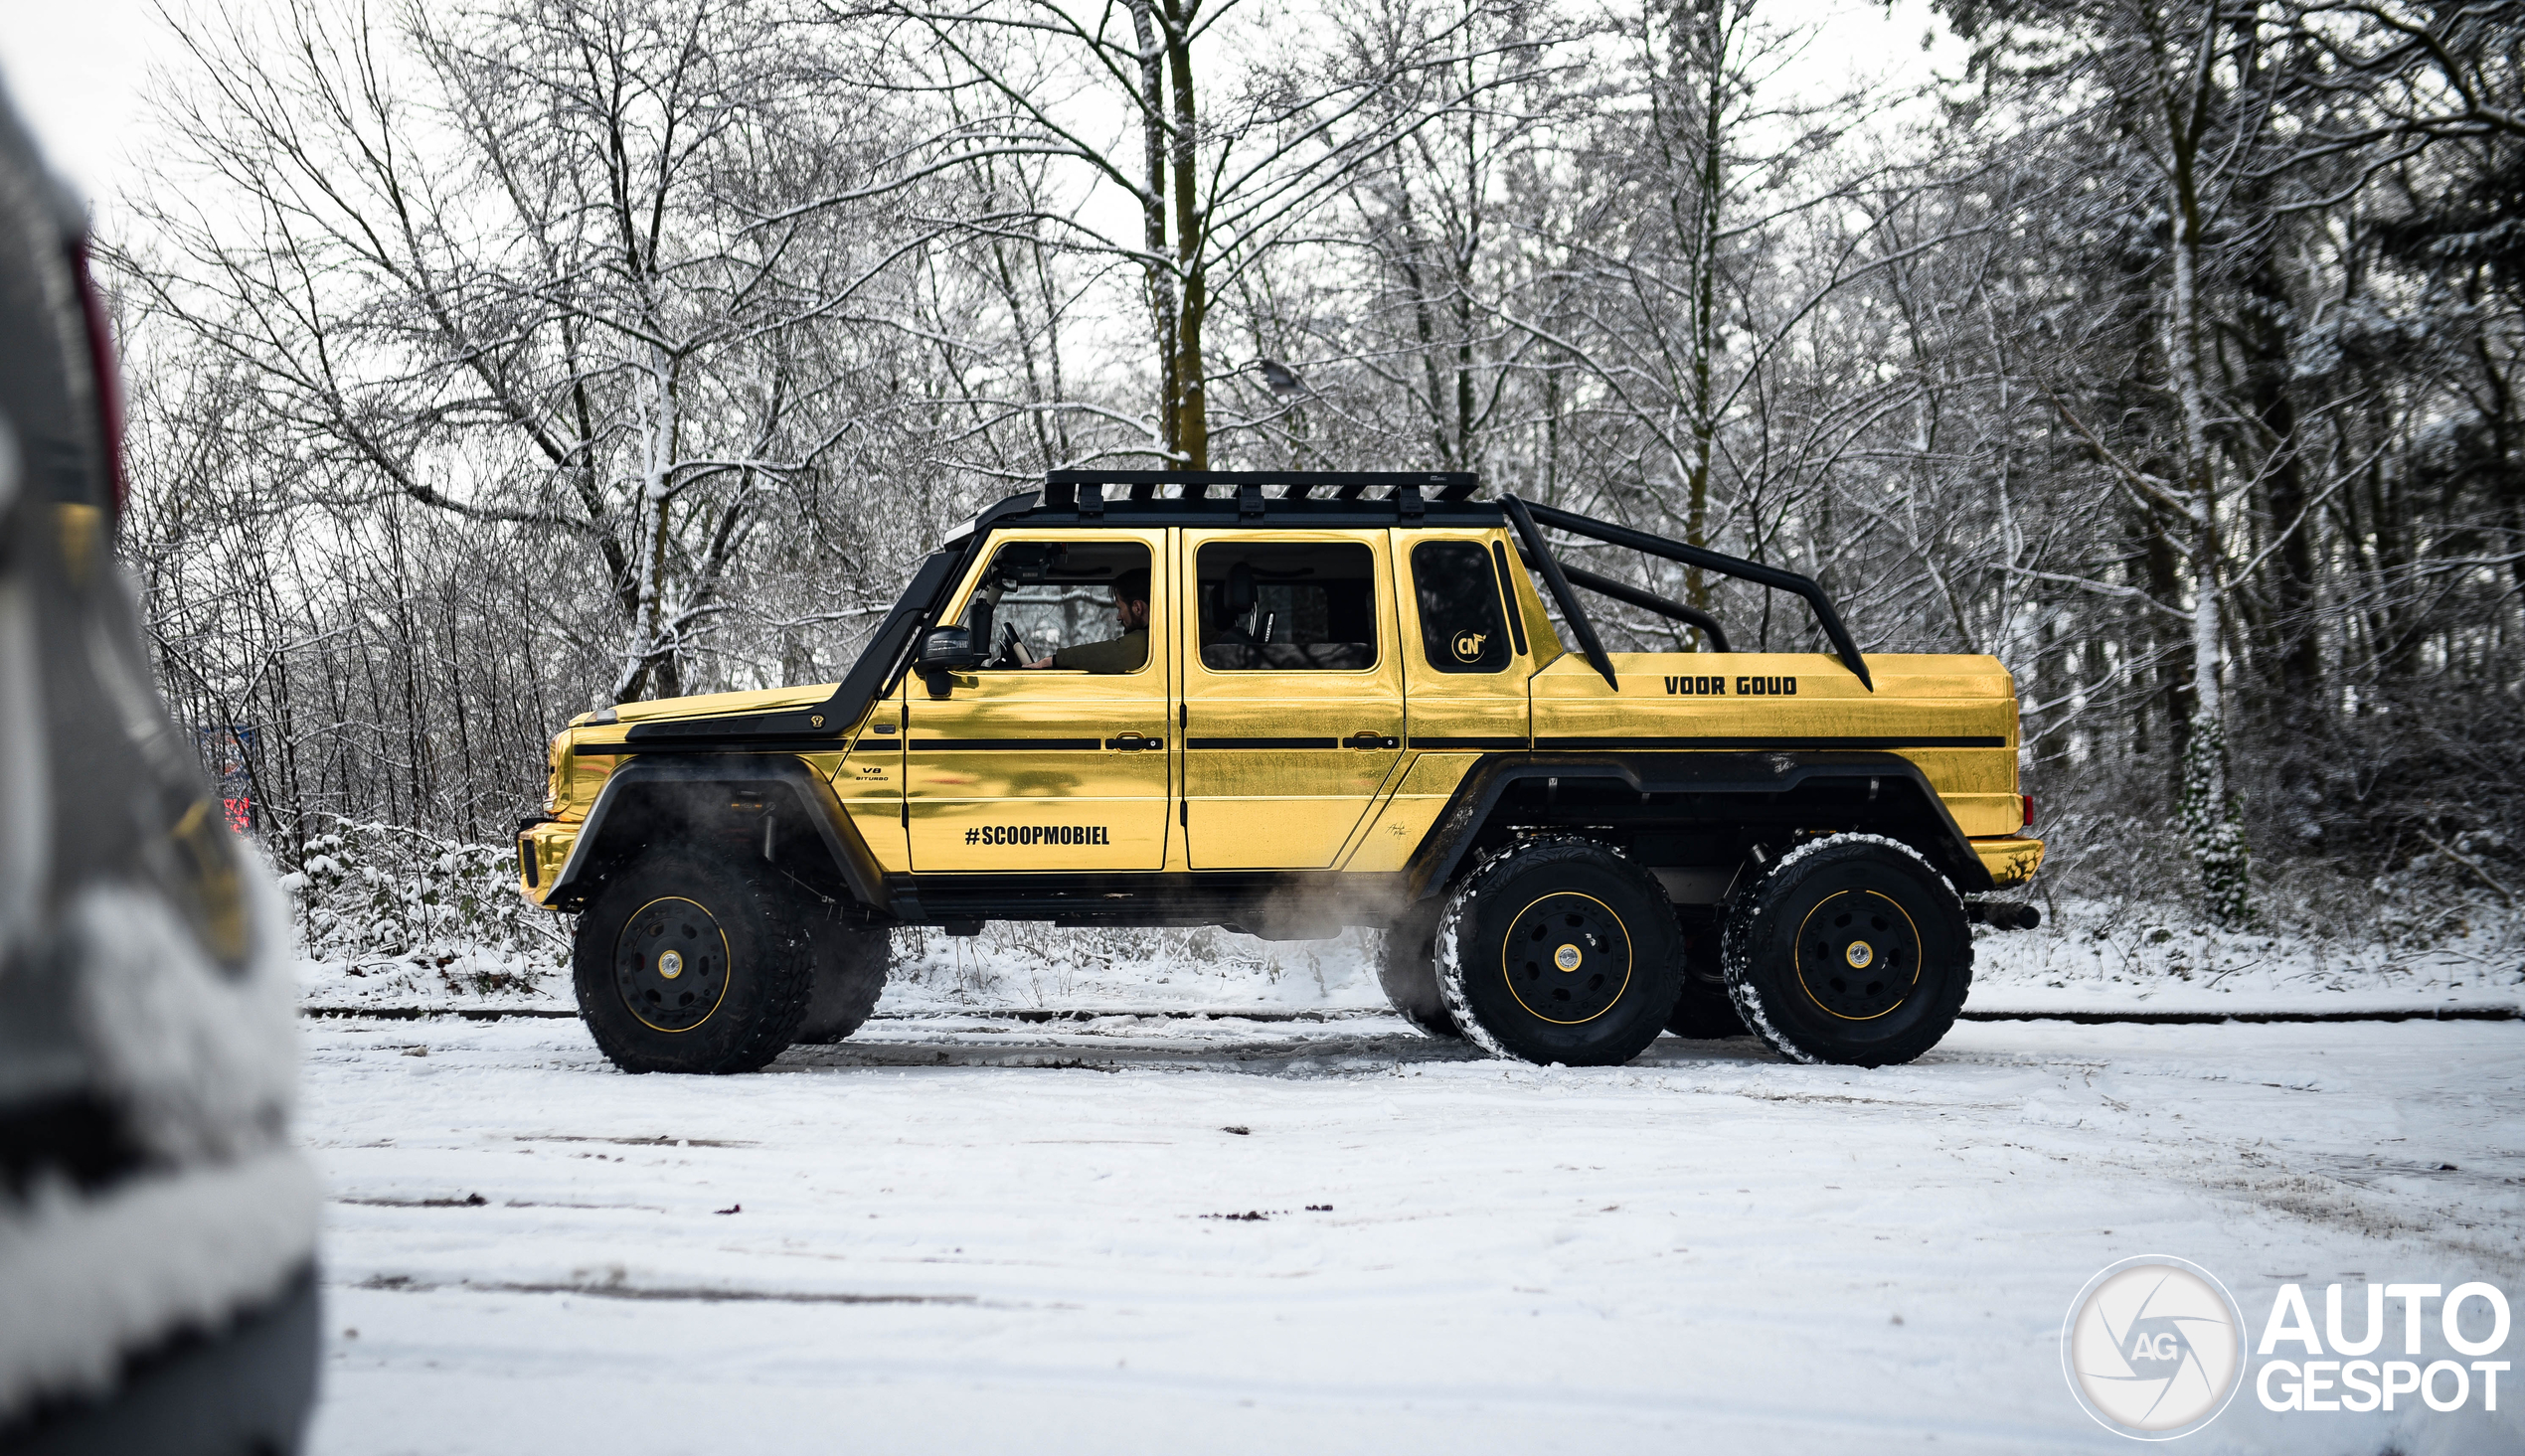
2029	809
101	359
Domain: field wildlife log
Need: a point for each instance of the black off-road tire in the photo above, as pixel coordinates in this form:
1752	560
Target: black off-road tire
1853	949
1407	969
1560	950
849	975
739	938
1705	1012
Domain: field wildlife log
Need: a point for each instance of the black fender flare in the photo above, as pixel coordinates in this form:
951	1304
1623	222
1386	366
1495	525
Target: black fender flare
770	773
1752	774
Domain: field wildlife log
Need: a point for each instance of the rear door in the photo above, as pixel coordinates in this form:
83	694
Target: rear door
1043	769
1292	698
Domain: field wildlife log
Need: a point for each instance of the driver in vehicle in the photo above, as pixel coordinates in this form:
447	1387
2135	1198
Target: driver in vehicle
1123	653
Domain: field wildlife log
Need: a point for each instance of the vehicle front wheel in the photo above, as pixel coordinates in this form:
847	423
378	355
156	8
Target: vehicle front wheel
1853	949
1560	950
685	964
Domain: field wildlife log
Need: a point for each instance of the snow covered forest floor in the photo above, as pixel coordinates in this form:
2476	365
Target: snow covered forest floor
975	1233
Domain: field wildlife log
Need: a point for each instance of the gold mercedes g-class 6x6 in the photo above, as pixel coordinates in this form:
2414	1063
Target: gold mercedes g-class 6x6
1288	703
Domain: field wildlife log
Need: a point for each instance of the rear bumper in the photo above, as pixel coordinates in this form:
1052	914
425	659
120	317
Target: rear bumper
2011	860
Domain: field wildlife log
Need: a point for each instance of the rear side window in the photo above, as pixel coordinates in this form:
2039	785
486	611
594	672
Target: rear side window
1284	605
1462	629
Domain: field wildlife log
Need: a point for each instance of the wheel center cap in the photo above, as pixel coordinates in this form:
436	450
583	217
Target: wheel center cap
1567	957
670	963
1859	954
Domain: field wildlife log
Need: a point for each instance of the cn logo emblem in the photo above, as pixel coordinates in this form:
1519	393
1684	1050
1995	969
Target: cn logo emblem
1468	645
815	720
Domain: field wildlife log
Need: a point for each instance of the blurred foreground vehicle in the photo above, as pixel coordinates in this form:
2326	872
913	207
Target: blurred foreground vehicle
157	1230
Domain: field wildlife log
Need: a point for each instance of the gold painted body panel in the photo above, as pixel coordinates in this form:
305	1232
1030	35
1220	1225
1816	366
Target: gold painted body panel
1918	698
1404	819
869	782
1284	807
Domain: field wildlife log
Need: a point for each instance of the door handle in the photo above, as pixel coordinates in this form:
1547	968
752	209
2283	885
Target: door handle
1132	742
1365	739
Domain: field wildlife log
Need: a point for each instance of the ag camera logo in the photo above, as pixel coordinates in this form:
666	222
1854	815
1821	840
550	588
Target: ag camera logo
2153	1347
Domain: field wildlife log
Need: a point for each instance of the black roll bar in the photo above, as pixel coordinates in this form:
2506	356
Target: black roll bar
1692	555
1541	555
1671	611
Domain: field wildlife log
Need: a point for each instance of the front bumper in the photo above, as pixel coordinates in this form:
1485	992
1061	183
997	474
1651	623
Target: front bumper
542	850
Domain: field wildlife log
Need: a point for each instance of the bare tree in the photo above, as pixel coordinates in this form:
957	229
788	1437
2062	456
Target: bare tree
523	267
1217	173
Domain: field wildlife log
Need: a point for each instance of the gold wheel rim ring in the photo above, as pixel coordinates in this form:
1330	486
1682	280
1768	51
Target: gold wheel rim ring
1505	957
1798	956
726	962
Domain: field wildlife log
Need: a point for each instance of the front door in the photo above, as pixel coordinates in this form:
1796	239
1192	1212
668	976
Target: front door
1292	702
1056	768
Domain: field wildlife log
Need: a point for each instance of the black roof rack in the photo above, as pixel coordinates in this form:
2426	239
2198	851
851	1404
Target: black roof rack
1089	491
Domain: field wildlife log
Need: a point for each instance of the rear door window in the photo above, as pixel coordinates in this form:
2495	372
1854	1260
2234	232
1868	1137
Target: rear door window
1278	606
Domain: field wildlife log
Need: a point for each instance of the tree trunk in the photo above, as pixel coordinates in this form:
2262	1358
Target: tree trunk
2210	814
1160	277
1191	399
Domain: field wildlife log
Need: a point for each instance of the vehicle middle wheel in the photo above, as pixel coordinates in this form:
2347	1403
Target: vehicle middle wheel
1560	950
686	964
1853	949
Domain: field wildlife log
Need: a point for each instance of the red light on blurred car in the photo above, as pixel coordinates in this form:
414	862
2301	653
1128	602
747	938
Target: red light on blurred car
2029	809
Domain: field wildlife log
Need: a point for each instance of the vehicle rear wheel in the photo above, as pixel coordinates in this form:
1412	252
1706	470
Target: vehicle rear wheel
685	964
1853	949
1705	1012
850	976
1406	968
1560	950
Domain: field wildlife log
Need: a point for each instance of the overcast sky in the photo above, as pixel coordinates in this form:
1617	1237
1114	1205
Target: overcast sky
79	70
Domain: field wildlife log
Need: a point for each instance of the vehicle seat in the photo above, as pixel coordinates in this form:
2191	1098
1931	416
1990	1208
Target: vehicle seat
1236	610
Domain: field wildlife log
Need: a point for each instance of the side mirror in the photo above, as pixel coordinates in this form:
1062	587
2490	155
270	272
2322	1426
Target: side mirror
946	650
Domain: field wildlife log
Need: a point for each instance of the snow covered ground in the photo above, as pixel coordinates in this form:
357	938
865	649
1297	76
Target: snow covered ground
1143	1233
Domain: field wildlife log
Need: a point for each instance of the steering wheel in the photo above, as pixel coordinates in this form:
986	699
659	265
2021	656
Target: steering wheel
1012	648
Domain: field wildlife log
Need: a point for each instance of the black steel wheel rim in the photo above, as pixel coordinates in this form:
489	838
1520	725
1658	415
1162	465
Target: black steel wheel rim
1858	955
1567	957
670	963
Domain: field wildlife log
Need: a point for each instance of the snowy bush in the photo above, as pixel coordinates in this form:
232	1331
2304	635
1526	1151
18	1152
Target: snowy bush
374	898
